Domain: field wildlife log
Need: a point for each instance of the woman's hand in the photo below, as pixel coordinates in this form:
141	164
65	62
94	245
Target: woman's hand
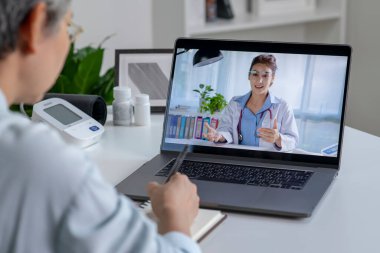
213	135
271	135
175	204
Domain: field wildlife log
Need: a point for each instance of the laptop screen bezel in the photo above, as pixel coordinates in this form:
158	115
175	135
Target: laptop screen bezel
262	46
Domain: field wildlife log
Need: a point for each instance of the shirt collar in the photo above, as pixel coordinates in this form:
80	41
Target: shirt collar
3	103
267	103
242	100
271	99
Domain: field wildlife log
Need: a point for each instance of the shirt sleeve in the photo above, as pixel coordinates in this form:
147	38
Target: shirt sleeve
288	130
225	127
99	219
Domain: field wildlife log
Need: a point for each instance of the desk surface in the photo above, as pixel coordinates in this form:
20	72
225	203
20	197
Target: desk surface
346	220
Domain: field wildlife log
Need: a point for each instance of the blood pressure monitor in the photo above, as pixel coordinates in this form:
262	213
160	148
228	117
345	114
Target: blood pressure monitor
74	125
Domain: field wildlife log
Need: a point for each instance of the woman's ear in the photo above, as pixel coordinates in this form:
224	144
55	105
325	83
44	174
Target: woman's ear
32	30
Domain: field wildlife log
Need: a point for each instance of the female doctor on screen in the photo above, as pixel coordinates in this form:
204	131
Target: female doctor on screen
258	118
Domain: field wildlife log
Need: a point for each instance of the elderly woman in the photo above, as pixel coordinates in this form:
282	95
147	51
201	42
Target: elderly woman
52	197
258	118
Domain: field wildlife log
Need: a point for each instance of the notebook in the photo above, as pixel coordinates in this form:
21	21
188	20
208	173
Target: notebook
305	87
204	223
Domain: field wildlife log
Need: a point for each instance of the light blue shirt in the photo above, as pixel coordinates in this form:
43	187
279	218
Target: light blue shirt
53	199
250	121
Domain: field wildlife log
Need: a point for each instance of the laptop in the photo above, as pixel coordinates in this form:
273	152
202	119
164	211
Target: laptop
286	172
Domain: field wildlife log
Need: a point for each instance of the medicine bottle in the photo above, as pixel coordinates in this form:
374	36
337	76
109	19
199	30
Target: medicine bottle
142	110
122	106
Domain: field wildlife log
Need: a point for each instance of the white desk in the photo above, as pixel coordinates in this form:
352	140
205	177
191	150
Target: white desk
346	220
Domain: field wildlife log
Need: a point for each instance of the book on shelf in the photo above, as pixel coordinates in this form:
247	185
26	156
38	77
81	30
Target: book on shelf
204	223
198	128
214	123
182	127
169	126
189	127
174	126
178	128
204	128
170	131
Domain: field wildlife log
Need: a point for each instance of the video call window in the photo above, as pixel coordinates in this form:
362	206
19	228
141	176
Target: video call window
309	87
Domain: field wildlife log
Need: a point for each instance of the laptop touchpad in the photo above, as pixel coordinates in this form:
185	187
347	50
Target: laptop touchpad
228	194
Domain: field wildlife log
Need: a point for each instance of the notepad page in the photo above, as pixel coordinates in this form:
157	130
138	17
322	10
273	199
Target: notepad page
203	223
205	220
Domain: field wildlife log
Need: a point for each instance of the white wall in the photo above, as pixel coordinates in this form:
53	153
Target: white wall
130	20
363	35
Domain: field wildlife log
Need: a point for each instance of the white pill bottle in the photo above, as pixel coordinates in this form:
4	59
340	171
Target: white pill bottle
142	110
122	107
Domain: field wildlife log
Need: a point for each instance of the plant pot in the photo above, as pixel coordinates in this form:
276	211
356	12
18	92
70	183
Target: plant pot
201	100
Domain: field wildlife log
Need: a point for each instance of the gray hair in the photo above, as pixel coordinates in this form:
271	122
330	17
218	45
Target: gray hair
14	12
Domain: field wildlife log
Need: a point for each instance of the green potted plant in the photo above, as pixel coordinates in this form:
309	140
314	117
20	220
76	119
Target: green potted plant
208	103
81	73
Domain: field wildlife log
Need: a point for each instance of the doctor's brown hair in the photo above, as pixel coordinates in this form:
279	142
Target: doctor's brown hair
266	59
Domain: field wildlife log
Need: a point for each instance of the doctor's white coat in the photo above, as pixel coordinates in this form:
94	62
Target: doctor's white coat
281	111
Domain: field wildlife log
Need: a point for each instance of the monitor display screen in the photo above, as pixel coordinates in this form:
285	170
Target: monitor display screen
62	114
266	101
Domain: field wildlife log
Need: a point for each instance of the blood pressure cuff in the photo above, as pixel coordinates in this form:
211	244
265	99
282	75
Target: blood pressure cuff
92	105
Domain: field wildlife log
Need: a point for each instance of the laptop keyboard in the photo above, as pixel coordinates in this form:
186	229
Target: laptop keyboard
240	174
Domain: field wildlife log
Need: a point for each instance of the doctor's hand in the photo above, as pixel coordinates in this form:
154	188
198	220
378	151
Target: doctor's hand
213	135
175	204
271	135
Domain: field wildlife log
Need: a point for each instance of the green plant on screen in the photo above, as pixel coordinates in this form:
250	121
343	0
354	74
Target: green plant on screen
210	103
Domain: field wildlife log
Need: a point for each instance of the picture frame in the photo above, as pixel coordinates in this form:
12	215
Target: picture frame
145	71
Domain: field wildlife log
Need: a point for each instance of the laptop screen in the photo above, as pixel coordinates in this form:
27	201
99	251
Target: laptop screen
272	98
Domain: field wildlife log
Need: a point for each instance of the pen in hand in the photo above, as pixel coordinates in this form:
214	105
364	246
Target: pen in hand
178	162
175	167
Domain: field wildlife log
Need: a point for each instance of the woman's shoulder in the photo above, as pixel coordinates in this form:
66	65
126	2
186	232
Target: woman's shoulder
240	100
279	100
16	130
35	156
234	103
37	149
281	104
276	99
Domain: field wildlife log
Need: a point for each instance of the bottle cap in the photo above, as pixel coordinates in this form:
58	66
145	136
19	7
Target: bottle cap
121	93
142	99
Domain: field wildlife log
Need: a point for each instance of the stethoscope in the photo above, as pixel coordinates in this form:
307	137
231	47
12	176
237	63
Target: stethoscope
240	135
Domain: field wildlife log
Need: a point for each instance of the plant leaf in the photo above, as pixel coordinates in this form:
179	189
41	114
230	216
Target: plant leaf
62	85
106	39
88	70
84	52
70	68
105	86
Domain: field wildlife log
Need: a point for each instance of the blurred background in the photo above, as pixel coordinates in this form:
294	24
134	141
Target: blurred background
156	24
